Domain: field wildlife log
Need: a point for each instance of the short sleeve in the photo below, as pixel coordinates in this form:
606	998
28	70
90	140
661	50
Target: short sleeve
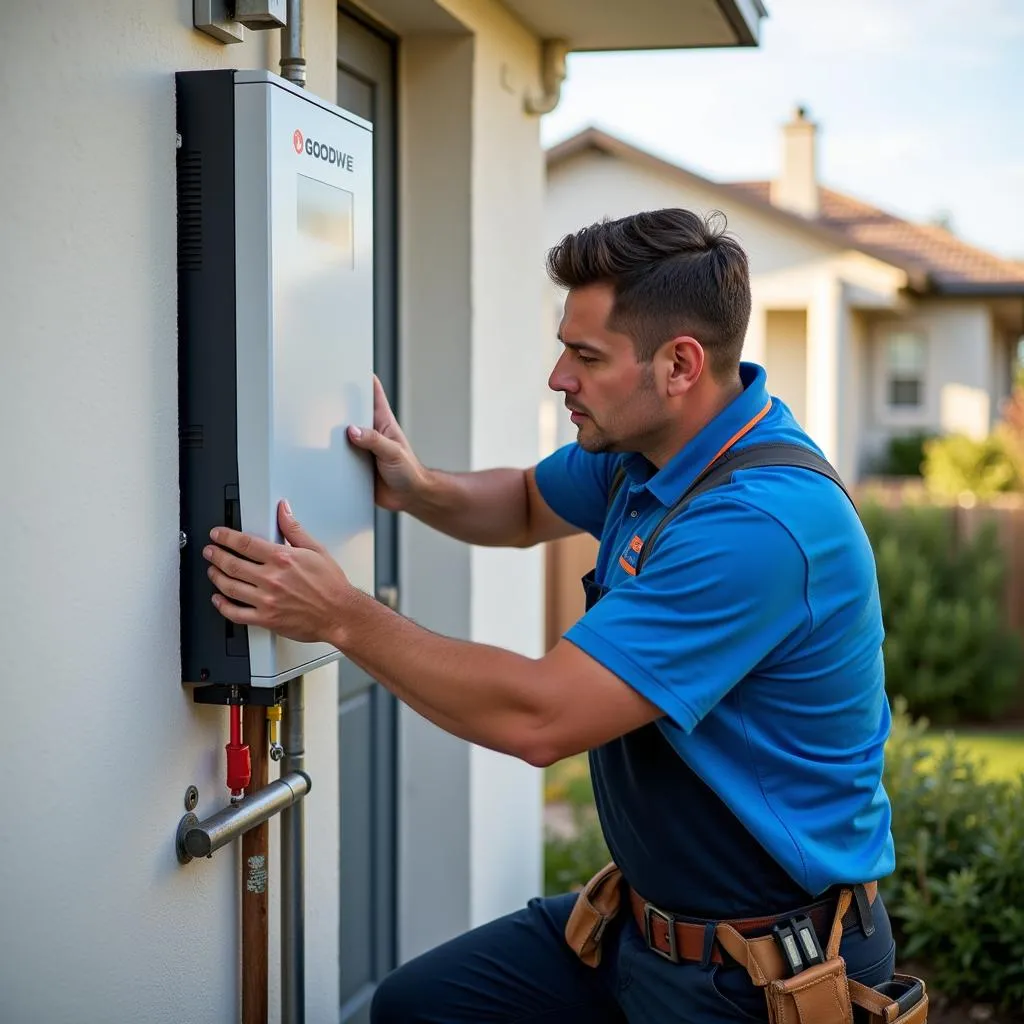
724	587
575	484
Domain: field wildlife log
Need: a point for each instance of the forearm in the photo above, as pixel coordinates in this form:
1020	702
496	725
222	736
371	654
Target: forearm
489	696
489	508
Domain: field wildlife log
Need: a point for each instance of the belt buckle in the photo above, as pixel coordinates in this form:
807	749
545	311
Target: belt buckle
673	951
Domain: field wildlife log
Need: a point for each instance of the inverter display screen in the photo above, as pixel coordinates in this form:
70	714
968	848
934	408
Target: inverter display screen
325	213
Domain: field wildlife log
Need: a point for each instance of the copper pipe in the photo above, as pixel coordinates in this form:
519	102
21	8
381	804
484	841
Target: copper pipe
255	872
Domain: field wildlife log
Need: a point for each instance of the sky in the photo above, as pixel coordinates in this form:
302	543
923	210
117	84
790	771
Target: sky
920	106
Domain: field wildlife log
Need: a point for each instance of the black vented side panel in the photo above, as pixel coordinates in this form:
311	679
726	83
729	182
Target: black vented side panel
191	436
190	202
208	462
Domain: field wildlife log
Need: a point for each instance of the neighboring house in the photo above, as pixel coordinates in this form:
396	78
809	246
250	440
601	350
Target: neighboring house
412	835
869	326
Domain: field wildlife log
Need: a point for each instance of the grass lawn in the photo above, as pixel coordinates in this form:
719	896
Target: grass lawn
1003	754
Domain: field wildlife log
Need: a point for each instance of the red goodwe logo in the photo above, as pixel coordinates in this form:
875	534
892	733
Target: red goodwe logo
321	151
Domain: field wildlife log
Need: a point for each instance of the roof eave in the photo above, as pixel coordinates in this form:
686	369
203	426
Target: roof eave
595	140
979	289
919	280
643	24
745	17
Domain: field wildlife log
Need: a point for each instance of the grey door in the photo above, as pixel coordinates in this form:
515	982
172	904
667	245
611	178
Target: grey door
367	714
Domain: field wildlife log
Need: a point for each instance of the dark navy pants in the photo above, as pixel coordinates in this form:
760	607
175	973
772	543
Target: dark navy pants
519	970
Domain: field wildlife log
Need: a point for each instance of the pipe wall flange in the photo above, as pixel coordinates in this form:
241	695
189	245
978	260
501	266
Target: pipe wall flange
187	822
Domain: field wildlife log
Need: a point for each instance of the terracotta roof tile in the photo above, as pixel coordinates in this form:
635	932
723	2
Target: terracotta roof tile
945	258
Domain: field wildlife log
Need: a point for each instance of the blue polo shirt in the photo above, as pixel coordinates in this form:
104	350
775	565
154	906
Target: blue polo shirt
755	626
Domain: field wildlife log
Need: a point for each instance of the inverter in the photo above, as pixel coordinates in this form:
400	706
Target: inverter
275	329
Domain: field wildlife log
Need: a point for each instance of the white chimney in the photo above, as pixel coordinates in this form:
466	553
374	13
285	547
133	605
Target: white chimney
796	188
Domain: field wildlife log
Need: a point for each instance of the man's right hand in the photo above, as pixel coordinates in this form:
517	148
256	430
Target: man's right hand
399	472
493	507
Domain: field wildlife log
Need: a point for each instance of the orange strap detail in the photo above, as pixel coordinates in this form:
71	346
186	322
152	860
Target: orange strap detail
743	430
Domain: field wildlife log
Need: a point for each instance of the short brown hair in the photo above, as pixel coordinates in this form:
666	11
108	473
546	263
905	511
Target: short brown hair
673	272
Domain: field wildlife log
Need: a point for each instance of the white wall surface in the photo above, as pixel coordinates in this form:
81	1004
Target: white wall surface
100	922
108	926
436	337
959	344
858	407
828	370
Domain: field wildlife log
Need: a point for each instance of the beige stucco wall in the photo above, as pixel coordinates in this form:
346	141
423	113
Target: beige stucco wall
785	359
108	925
471	180
104	738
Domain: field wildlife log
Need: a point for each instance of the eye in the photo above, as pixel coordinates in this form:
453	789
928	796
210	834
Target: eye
586	360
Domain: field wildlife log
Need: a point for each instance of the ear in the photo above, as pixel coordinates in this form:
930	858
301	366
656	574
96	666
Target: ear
685	360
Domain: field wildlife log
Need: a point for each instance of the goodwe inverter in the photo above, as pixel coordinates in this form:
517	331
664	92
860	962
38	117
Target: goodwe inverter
275	323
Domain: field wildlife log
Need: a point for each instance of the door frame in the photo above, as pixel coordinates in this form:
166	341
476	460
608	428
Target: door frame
384	728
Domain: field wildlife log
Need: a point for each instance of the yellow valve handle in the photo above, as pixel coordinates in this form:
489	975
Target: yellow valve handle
274	720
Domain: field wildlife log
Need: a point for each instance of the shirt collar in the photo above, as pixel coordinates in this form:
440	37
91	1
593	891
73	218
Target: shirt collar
668	484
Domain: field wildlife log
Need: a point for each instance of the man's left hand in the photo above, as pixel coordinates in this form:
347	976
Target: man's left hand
295	589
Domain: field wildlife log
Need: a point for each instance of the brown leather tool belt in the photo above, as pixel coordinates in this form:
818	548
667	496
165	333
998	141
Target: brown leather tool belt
677	940
798	988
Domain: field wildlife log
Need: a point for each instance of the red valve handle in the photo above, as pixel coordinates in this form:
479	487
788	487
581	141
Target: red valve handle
239	763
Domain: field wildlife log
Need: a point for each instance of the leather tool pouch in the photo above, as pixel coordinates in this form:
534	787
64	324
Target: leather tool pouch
904	1000
596	907
824	995
819	995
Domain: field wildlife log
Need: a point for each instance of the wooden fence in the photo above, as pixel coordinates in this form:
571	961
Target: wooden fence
568	560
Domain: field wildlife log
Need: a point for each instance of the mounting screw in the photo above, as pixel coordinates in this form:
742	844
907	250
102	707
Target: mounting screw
276	751
182	539
177	140
191	798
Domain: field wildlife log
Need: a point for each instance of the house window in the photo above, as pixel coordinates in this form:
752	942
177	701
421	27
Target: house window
905	365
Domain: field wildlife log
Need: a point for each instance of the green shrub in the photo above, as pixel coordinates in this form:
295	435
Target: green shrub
948	650
957	896
570	862
904	455
957	464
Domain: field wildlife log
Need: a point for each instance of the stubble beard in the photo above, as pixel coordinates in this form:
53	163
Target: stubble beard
598	443
601	442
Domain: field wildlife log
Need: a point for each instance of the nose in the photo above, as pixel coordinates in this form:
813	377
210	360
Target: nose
561	379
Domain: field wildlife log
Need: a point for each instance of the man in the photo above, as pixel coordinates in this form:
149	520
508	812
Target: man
727	683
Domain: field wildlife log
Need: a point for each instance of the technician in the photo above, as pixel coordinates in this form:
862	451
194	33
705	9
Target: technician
726	678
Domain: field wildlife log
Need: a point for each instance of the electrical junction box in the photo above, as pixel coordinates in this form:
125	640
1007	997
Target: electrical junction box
275	327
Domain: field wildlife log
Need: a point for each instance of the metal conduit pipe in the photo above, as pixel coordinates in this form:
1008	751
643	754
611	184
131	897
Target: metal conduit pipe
293	823
293	859
293	56
205	838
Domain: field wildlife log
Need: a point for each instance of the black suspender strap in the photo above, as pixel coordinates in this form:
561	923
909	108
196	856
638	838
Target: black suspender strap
750	457
617	481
